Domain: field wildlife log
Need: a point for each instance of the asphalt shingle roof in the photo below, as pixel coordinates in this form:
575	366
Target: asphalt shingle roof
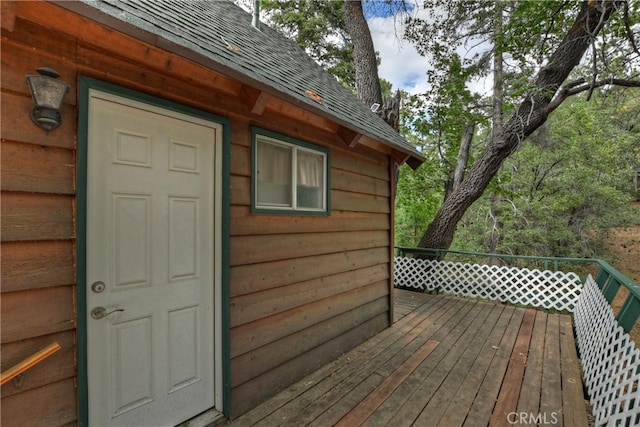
222	32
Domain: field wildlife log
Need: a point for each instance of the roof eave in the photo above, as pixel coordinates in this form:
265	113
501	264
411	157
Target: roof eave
318	109
414	159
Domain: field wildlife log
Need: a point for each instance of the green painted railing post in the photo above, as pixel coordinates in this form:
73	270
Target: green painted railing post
603	275
629	313
611	289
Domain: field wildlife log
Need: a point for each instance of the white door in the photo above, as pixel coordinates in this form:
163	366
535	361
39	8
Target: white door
153	246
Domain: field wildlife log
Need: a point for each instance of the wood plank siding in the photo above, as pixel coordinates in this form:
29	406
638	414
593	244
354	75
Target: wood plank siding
303	289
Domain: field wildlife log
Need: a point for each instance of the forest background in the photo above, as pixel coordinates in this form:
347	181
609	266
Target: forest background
564	188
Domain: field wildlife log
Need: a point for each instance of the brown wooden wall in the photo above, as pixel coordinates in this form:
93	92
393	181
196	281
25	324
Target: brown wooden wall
38	235
303	289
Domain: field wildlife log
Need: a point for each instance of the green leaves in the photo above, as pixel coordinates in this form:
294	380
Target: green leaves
419	196
567	187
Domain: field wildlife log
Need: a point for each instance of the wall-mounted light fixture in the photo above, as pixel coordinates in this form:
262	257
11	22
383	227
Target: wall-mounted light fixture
48	93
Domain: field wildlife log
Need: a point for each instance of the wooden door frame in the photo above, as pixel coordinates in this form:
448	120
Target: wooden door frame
85	84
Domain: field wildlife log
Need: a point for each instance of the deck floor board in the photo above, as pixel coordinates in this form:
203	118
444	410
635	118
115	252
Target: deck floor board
485	400
446	361
461	404
529	401
455	377
512	383
551	389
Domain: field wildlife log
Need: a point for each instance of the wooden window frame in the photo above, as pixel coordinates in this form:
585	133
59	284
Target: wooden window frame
296	145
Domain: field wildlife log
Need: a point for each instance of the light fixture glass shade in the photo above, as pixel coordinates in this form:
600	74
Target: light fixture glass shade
48	94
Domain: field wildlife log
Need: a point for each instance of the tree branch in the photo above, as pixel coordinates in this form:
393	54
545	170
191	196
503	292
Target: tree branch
579	86
595	69
627	26
549	27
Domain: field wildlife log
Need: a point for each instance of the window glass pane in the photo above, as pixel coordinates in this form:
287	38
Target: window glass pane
274	174
310	180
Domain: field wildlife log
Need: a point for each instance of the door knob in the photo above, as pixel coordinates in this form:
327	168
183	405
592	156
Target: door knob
101	312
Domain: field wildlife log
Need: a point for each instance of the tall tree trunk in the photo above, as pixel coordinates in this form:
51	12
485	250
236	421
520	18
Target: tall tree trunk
457	176
498	95
497	126
366	69
364	54
390	113
496	226
531	114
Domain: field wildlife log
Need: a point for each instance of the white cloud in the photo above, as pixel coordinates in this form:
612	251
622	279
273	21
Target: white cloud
400	63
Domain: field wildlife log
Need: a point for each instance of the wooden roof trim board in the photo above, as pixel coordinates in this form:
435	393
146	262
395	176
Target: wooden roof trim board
271	82
7	14
254	99
349	137
82	21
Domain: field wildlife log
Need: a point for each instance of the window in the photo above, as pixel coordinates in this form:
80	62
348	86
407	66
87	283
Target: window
289	175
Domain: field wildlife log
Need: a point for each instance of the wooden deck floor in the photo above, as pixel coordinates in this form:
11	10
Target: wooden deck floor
447	361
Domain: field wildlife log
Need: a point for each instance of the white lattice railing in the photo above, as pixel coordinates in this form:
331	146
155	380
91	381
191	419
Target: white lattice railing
537	288
610	360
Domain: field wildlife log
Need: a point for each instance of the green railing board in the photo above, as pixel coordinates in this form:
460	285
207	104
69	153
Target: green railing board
546	265
629	313
609	279
441	253
611	289
602	278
